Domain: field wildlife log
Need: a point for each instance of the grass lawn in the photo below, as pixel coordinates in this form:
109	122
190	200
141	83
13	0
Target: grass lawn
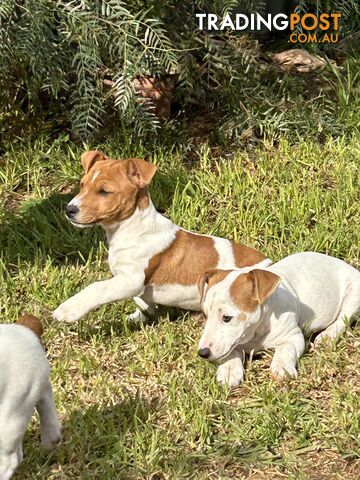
135	400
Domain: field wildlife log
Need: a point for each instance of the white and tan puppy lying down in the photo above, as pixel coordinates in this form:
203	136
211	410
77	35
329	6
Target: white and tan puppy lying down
272	308
24	386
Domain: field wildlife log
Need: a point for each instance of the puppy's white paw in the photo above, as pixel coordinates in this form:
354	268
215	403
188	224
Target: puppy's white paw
69	311
280	371
137	317
229	375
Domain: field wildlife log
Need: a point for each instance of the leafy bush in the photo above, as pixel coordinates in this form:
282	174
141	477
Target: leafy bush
59	57
67	48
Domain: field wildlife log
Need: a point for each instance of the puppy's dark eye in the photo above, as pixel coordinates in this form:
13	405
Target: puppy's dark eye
226	318
103	192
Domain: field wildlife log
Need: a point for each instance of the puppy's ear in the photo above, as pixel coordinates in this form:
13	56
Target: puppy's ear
202	284
31	322
140	171
88	159
208	279
264	284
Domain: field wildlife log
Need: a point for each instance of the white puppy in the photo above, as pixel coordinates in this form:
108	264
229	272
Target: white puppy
254	309
24	385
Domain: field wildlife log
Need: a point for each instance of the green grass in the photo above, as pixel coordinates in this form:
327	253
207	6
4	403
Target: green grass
137	402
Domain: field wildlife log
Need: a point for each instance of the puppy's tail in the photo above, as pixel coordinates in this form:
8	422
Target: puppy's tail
31	322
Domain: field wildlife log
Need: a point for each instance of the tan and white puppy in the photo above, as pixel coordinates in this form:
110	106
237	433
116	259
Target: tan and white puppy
272	308
24	386
151	259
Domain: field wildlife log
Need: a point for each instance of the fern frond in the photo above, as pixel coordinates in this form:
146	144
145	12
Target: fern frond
123	91
6	10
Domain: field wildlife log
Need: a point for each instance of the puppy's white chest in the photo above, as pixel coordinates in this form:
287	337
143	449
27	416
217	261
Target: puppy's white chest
121	258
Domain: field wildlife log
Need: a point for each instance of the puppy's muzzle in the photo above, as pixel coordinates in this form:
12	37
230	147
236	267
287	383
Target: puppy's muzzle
71	211
204	352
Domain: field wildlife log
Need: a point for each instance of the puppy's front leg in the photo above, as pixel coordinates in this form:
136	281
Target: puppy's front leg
129	283
287	354
231	369
49	423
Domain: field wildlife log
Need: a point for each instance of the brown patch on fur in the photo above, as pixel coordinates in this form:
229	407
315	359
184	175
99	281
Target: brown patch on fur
140	171
242	293
217	276
143	199
183	261
245	256
111	190
31	322
88	159
209	278
242	317
265	284
251	289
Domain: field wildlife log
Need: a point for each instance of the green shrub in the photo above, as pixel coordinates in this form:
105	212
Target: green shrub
57	58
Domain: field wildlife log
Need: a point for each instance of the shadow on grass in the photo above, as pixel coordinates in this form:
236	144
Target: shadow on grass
127	441
40	229
111	325
96	444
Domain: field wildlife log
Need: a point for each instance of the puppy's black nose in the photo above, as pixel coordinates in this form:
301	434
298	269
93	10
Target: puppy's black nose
71	210
204	352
